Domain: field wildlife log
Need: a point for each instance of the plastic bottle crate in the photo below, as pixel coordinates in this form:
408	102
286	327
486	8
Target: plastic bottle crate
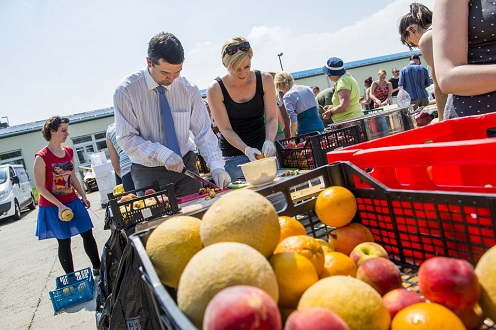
412	226
308	151
72	289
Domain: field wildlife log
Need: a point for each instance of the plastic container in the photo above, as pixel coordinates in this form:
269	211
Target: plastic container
72	289
261	171
308	151
466	163
412	226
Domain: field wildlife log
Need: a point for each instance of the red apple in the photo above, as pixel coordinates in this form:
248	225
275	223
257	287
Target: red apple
315	318
149	191
125	198
380	273
344	239
397	299
450	282
301	145
366	250
290	145
242	307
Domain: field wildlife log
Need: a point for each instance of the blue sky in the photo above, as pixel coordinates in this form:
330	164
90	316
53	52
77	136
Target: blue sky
65	56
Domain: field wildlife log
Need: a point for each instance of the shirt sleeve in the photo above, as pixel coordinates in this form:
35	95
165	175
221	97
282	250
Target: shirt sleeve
401	81
205	138
290	105
128	133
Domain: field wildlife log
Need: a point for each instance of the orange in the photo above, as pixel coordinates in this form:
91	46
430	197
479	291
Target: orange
336	206
326	246
426	316
294	274
290	227
337	263
306	246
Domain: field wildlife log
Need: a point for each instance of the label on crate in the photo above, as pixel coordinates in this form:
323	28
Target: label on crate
146	213
133	323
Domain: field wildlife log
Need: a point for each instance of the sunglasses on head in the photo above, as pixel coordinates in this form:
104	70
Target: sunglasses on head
233	49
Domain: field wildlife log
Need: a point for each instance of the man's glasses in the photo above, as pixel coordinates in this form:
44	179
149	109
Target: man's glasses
233	49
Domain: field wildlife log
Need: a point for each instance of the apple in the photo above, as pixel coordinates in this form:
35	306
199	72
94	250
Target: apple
450	282
380	273
344	239
125	198
315	318
366	250
301	145
397	299
290	145
242	307
149	191
472	318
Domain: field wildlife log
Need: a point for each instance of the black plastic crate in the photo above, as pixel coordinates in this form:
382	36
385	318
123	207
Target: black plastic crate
309	151
127	214
411	225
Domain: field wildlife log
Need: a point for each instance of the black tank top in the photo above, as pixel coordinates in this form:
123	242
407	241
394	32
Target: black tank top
247	119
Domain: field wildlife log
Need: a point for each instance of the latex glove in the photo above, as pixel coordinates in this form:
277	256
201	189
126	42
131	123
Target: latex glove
268	148
221	177
251	152
174	163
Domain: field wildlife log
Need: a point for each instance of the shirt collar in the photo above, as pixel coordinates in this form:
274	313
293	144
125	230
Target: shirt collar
150	82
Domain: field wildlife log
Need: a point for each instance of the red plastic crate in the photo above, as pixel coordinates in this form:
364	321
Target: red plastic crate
464	164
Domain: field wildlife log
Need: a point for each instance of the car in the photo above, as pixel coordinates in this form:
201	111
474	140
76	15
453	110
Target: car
15	191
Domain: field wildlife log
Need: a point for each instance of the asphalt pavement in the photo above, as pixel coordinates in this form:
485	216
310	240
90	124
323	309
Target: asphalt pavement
29	268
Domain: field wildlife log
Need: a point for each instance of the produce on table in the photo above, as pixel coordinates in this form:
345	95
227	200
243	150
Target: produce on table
381	274
290	227
315	318
356	302
346	238
336	206
337	263
294	274
486	272
217	267
242	307
171	245
426	316
242	216
305	245
397	299
366	250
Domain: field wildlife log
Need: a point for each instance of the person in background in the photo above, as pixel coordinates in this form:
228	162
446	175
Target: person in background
284	114
56	181
316	90
463	37
381	90
120	161
280	135
366	100
301	105
325	98
415	31
345	101
394	82
414	78
238	101
155	110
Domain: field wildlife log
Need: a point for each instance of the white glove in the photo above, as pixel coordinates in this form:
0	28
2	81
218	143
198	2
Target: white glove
174	163
251	152
268	148
221	177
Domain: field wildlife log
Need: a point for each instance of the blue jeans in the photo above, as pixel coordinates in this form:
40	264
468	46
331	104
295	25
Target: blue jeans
232	168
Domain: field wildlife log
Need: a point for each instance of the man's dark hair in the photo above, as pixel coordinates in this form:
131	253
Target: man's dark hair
167	47
415	57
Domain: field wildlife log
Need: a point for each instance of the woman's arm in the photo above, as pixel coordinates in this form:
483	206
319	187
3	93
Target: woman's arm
270	107
219	113
114	157
372	91
450	47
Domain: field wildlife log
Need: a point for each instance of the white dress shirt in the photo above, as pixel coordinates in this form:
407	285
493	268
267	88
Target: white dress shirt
140	129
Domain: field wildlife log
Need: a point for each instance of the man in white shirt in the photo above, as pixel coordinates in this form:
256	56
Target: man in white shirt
140	127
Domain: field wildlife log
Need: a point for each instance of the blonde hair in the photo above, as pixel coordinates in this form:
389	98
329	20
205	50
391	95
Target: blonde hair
381	72
284	79
232	62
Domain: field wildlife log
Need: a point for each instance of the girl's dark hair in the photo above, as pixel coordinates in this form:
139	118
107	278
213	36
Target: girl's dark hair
368	81
52	124
420	15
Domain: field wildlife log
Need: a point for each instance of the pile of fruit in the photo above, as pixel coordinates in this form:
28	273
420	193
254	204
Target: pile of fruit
247	268
140	203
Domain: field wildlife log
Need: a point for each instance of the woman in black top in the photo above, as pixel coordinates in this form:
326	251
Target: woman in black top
238	101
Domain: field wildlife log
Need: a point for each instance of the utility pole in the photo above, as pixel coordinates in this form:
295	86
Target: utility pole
280	62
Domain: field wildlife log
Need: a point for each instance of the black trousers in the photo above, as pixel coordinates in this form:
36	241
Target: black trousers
90	247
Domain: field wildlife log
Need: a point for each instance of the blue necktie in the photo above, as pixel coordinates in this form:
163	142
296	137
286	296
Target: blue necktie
170	131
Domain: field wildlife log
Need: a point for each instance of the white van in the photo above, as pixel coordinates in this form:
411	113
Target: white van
15	191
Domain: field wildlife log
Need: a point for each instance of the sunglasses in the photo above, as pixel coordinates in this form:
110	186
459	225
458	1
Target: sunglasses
233	49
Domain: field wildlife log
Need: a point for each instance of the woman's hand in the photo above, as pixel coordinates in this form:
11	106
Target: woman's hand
62	208
328	112
86	202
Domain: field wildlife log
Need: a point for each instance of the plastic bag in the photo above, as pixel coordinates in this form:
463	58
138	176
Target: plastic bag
403	98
